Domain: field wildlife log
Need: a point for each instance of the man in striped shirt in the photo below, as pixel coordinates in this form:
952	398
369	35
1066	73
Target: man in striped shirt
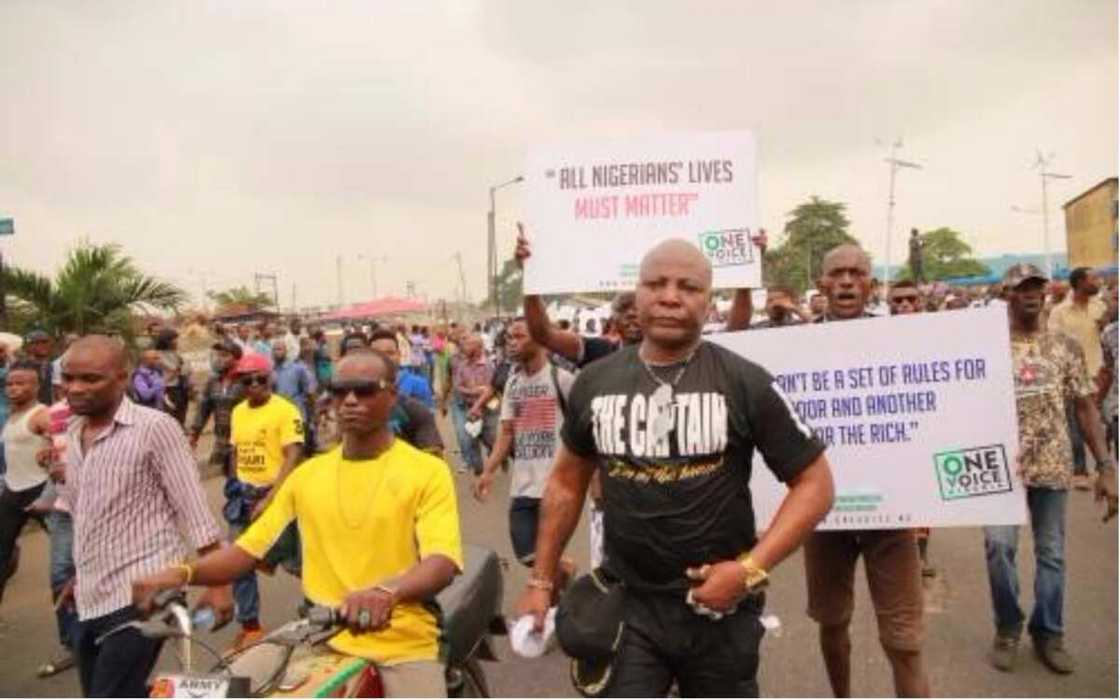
131	482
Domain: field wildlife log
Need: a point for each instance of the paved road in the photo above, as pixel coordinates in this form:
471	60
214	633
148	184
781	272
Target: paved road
958	604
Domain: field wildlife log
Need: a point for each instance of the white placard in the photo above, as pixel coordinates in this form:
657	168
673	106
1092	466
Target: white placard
918	411
594	209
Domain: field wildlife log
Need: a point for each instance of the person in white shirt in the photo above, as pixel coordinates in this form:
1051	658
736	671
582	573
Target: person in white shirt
25	434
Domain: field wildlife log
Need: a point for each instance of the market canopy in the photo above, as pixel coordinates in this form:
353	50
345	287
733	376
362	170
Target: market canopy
387	306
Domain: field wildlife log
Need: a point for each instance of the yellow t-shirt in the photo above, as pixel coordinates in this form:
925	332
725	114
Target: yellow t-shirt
260	435
361	523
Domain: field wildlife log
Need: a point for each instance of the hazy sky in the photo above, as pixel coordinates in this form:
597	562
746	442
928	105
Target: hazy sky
218	139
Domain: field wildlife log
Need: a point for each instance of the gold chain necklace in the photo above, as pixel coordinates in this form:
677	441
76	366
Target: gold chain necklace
371	500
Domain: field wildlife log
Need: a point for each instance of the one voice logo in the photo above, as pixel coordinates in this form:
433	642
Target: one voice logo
973	471
728	247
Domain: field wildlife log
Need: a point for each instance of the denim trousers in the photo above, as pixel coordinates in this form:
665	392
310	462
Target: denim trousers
1076	439
285	553
1047	508
61	528
468	446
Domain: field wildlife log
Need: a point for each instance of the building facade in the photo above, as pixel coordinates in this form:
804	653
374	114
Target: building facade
1091	232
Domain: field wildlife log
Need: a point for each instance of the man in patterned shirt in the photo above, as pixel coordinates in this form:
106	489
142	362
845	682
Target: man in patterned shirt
1049	369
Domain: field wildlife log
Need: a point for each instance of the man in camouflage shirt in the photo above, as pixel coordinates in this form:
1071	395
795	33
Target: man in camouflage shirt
1049	369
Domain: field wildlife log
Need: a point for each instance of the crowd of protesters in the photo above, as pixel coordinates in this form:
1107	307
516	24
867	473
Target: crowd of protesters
520	394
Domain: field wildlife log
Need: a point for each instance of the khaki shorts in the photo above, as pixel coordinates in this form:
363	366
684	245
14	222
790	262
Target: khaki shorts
894	576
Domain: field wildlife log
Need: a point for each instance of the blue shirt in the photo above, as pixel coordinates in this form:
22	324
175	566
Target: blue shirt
409	384
294	381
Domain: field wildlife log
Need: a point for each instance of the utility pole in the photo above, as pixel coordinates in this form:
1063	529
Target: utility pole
895	164
462	278
259	277
1042	162
491	246
338	271
373	260
293	298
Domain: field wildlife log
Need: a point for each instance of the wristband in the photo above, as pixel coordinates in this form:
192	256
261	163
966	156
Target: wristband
539	583
754	576
188	570
386	588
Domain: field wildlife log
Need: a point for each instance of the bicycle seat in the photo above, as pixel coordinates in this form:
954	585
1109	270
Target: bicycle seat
471	602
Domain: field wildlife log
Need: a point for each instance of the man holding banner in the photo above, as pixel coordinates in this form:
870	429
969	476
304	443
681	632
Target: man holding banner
890	556
1049	370
672	424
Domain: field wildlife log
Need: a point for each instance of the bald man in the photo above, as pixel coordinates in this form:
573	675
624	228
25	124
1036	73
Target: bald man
131	482
471	375
671	425
890	557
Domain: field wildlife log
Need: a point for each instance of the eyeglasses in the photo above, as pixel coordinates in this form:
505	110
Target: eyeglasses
911	299
361	389
250	380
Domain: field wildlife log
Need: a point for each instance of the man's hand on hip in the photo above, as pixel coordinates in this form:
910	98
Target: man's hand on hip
718	587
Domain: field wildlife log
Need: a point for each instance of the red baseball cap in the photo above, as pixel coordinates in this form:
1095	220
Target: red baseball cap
253	362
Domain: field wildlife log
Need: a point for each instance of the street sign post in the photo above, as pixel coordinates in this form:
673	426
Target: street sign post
7	228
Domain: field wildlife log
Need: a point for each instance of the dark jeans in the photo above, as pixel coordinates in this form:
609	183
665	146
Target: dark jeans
61	527
1048	523
1076	439
1111	434
12	519
524	517
120	665
665	641
246	593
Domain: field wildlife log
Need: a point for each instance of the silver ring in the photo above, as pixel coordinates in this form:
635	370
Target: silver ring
364	617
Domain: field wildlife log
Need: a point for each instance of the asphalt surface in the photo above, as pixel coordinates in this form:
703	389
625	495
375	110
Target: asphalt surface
958	605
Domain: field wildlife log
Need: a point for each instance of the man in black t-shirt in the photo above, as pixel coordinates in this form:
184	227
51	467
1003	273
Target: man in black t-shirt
672	424
890	557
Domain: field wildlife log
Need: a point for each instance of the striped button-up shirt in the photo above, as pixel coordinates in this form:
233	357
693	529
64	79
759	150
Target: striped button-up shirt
129	494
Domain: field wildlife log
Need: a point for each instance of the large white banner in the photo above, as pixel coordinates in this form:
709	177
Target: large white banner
918	412
594	209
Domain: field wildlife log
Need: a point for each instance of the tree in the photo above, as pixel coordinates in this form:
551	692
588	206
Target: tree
945	255
813	229
509	288
98	289
241	296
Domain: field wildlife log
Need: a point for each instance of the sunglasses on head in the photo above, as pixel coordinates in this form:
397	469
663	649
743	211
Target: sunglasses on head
251	379
361	389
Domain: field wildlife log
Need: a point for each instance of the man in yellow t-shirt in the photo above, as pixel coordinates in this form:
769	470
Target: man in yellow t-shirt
379	527
266	433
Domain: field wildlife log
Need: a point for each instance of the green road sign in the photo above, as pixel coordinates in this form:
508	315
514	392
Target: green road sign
7	227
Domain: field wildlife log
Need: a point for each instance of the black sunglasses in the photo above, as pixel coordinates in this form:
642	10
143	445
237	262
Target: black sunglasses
251	379
361	389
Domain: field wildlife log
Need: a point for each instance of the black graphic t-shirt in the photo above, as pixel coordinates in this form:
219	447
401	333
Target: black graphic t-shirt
680	497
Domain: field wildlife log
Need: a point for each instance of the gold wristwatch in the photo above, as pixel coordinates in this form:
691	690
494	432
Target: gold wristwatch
755	577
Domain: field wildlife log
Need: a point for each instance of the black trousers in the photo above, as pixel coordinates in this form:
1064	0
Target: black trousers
119	666
665	642
12	519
